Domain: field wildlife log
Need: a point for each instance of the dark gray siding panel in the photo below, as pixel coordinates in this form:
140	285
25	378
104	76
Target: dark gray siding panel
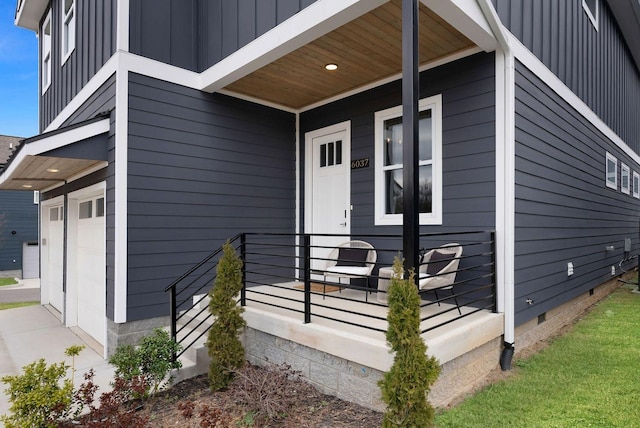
18	214
202	168
102	100
468	90
596	65
95	43
564	211
196	34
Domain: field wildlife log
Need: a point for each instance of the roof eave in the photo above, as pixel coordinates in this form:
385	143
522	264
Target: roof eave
29	13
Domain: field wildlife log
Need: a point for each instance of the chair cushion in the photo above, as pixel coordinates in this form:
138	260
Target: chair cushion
438	262
352	257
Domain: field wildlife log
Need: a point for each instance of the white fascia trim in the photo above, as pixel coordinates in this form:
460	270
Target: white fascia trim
122	29
56	141
159	70
305	26
120	283
466	17
536	66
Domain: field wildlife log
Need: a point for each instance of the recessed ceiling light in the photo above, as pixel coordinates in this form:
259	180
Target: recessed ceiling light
53	170
331	67
27	186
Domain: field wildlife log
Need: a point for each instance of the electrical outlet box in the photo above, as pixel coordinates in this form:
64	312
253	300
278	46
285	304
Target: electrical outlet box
627	245
613	270
569	269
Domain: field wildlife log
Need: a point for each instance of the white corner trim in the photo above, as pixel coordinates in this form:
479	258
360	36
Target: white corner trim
122	30
466	17
305	26
120	198
536	66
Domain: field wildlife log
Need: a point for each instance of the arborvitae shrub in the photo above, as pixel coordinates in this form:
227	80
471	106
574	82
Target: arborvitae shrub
405	387
225	348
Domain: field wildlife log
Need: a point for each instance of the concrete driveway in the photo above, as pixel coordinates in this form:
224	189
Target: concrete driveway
33	332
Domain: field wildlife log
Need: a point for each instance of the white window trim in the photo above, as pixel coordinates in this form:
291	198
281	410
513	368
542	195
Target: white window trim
636	185
45	62
593	15
64	18
611	184
435	217
625	171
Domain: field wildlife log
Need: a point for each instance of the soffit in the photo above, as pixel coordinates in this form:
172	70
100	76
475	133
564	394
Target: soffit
33	172
367	49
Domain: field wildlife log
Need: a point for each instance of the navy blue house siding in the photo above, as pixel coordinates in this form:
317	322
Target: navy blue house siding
202	168
18	214
95	44
196	34
468	91
595	64
564	211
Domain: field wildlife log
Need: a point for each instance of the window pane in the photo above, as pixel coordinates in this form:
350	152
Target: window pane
425	184
611	170
100	207
425	135
53	214
85	209
323	155
393	191
339	152
393	141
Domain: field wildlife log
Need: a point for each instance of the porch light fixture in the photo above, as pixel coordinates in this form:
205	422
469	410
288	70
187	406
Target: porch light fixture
27	186
53	170
331	67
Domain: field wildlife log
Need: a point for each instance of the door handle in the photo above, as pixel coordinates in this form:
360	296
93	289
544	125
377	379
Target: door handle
343	224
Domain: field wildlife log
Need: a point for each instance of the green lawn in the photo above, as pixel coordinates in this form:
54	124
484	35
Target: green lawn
4	306
7	281
589	377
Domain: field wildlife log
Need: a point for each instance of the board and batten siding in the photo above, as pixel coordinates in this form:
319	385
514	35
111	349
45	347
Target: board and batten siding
564	210
468	105
202	168
95	43
196	34
595	64
19	214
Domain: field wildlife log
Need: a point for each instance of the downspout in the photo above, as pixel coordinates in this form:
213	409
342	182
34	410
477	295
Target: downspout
505	169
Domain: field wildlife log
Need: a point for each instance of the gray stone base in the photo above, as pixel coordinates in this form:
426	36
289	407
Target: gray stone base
11	274
130	333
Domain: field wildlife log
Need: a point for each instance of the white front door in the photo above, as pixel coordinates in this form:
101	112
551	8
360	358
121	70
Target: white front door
328	204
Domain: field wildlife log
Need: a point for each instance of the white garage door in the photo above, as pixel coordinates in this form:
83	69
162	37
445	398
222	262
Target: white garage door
52	254
91	268
30	260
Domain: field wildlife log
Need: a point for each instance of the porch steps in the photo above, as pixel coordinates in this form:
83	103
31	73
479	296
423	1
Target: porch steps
195	360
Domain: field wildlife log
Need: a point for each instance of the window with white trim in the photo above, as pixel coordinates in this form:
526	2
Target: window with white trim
612	171
591	8
45	31
625	178
636	185
389	163
68	28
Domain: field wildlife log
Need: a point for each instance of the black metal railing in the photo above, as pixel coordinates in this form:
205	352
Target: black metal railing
287	272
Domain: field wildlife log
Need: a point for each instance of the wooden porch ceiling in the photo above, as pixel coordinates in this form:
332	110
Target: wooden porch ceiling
40	172
366	50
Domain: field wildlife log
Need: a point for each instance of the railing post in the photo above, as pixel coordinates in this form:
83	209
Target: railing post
493	271
307	278
243	257
173	313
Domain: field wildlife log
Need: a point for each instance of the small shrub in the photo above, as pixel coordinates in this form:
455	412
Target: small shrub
268	390
225	348
406	385
41	396
152	361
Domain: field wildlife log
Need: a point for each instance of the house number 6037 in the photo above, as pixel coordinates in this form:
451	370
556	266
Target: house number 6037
360	163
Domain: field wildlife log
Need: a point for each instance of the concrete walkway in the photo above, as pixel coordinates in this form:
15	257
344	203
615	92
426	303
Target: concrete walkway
33	332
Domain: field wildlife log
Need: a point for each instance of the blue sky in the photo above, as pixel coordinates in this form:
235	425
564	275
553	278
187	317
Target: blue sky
18	76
